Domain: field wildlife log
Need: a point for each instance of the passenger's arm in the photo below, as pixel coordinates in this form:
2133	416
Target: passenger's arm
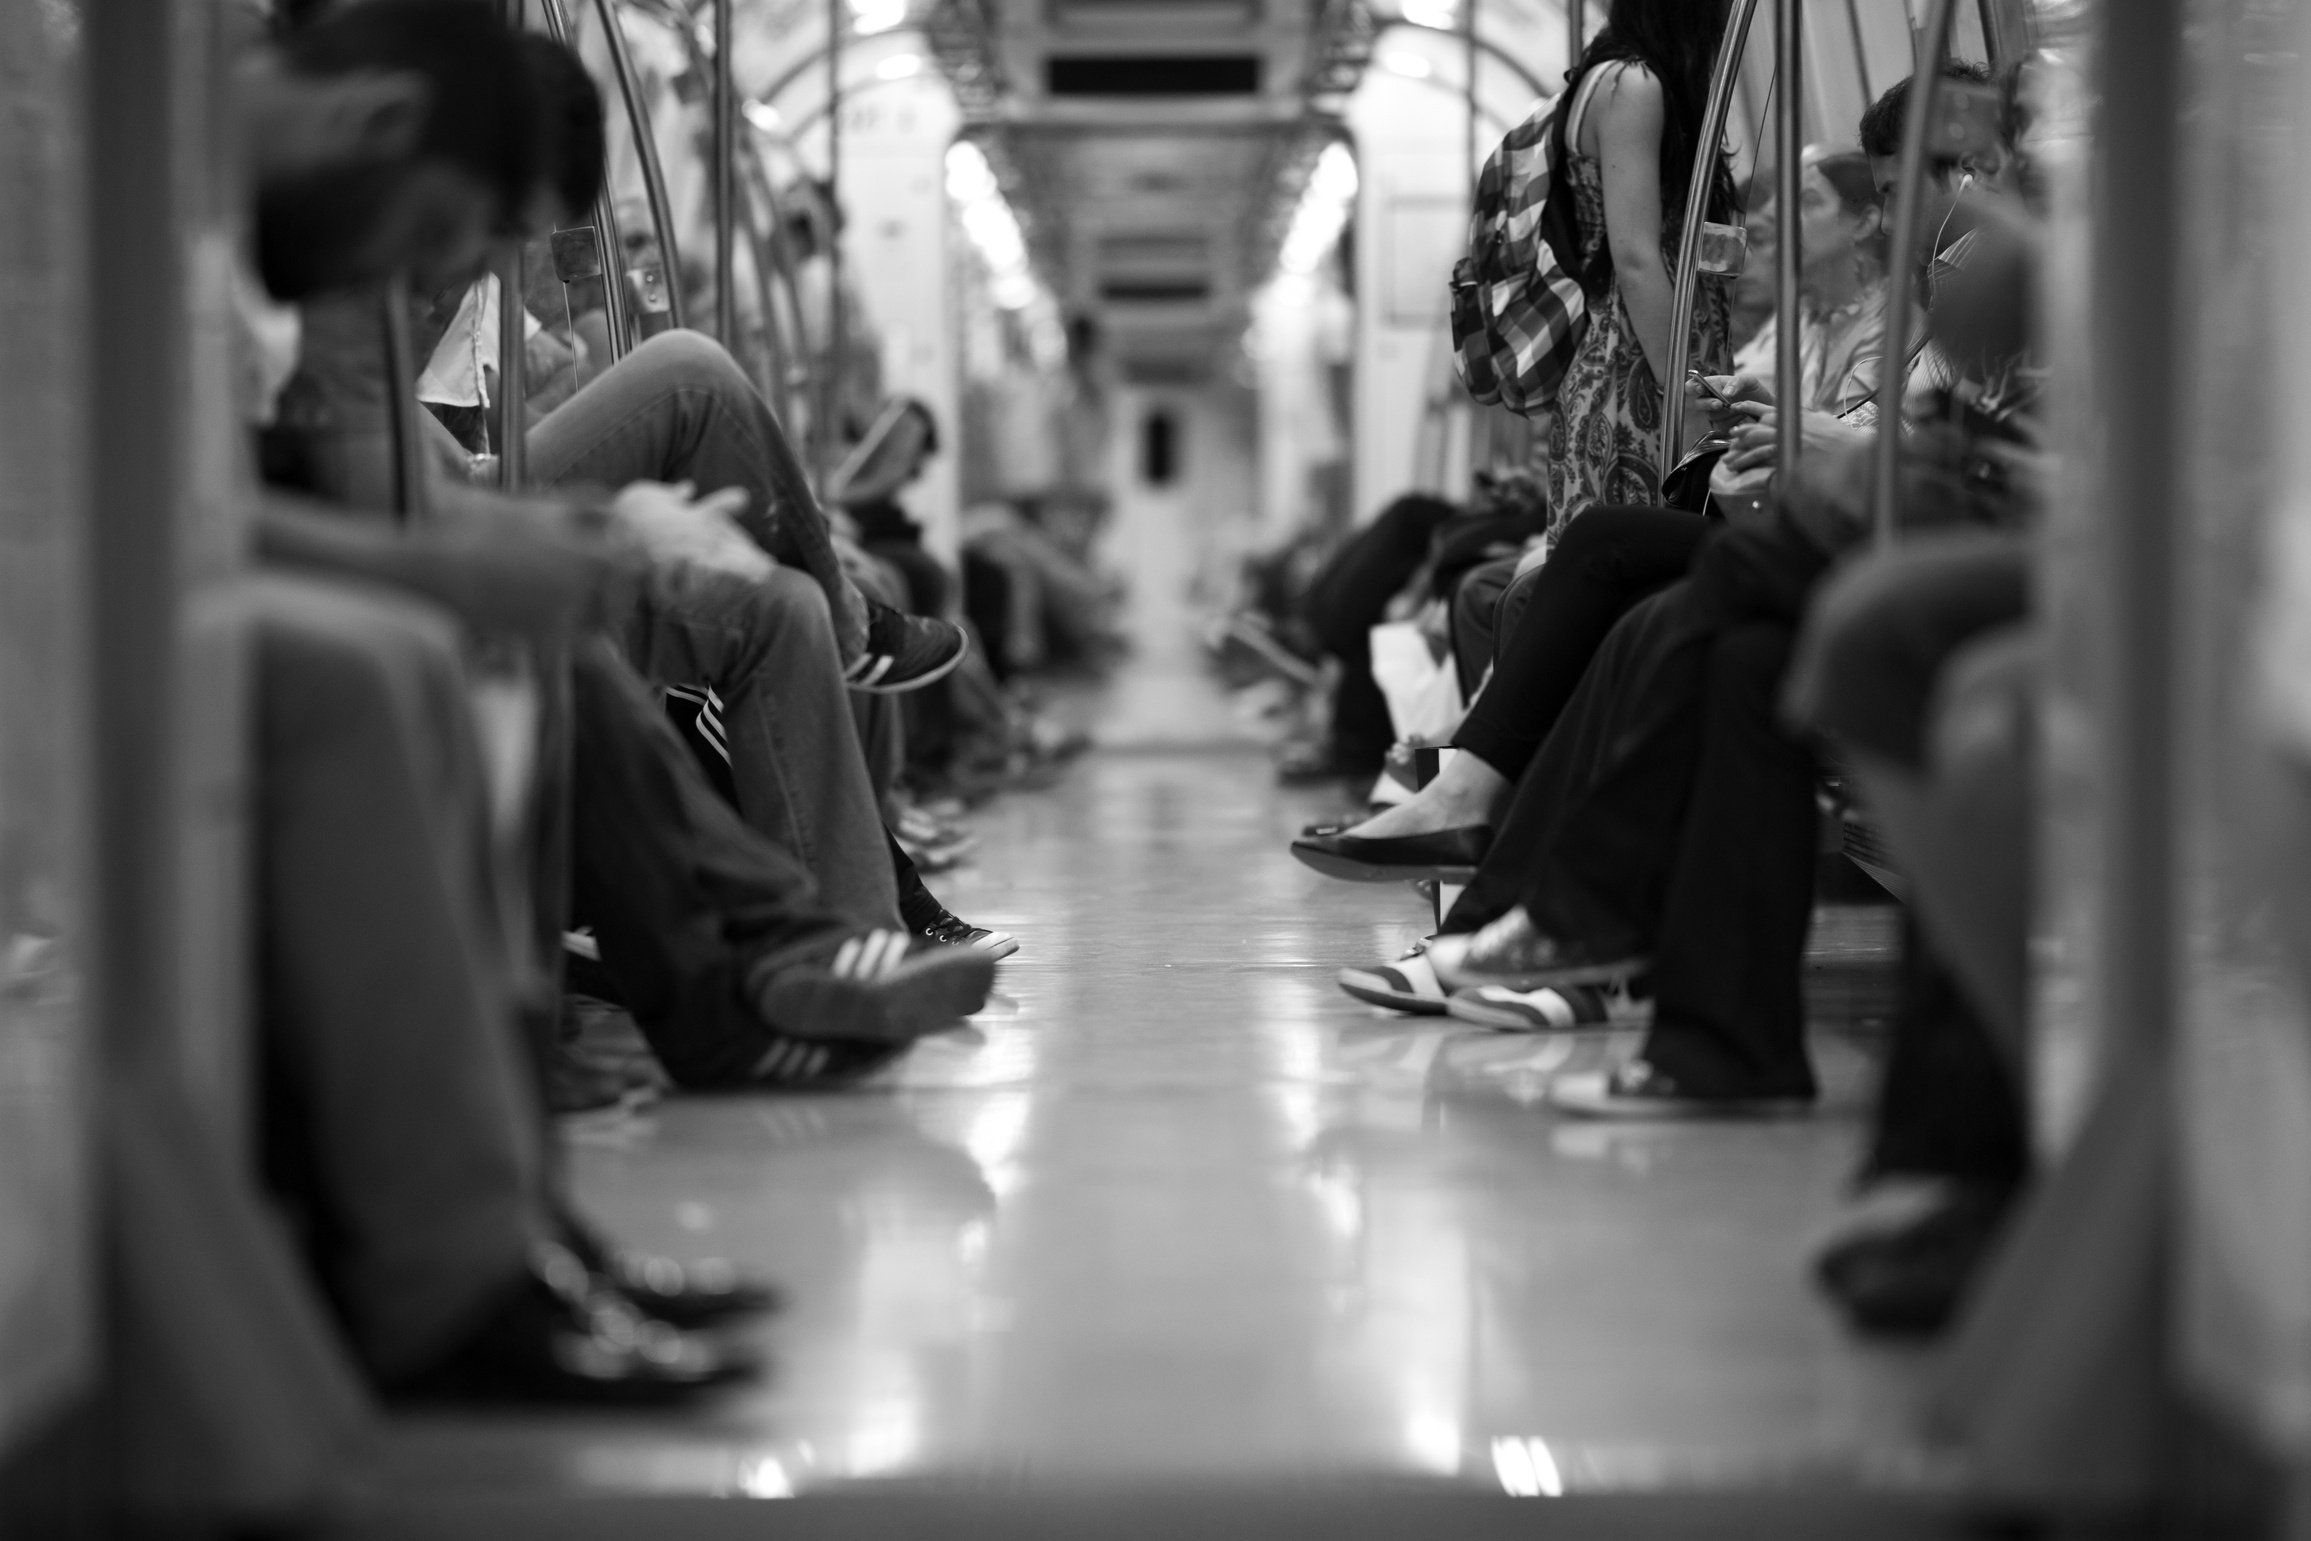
1629	128
527	578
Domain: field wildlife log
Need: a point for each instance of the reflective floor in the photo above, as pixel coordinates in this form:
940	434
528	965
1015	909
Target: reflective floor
1178	1208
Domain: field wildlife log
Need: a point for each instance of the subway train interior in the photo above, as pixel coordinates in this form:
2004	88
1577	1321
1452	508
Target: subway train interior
1146	768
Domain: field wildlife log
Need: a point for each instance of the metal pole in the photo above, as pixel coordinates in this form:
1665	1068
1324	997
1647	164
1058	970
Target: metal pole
1576	30
725	180
1909	198
830	436
1789	148
410	503
136	369
1687	275
513	373
2137	307
606	241
646	150
1468	94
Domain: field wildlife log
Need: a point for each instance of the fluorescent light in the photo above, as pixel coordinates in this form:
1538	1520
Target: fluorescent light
1411	66
1443	15
900	67
871	16
969	178
764	116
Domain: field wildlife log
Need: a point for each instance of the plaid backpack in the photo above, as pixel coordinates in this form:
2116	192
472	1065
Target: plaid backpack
1519	305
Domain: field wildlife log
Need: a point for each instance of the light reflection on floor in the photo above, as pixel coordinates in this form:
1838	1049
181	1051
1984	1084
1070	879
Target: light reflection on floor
1180	1209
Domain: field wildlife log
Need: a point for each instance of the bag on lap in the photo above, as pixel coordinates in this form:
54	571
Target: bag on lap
1519	306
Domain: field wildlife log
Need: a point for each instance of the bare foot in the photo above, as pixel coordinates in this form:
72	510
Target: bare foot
1466	791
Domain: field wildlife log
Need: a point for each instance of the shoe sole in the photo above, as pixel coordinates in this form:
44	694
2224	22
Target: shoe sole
1350	870
1662	1110
1382	995
928	993
996	948
919	681
1509	1019
1616	972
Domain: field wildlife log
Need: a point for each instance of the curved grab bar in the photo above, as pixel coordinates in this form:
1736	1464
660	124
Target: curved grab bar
646	150
1909	194
1686	278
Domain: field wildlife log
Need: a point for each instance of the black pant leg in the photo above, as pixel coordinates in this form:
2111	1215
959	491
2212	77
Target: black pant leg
1350	597
1948	1106
1625	677
1605	562
1729	1007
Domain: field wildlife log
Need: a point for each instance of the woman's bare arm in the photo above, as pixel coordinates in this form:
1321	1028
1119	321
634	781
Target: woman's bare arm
1628	124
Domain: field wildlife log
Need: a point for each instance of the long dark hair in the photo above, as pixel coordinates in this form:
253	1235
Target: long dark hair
1677	40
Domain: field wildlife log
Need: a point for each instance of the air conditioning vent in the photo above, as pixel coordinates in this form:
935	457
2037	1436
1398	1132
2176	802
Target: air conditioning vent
1153	75
1154	248
1155	19
1156	291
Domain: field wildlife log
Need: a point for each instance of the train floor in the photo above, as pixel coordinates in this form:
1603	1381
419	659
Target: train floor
1177	1210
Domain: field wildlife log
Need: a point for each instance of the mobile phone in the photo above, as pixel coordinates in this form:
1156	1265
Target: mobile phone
1709	389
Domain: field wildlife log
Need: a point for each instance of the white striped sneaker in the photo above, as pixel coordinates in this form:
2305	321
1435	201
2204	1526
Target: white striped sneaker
1408	984
1549	1009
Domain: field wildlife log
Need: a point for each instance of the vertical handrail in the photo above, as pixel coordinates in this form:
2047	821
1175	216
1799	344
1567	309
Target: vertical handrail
513	339
725	180
1468	95
646	151
831	392
606	237
795	388
1909	201
1576	31
410	502
1789	261
1686	279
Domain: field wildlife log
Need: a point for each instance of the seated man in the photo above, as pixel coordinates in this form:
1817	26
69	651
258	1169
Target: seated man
385	1002
709	612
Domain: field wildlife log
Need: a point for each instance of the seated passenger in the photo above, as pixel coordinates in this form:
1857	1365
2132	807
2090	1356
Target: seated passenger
447	1255
710	612
1611	557
1667	822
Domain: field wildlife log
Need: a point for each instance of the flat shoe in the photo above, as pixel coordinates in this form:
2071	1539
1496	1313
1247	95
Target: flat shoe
1408	985
1450	854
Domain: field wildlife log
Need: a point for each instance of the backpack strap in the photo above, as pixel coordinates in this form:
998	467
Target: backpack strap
1577	112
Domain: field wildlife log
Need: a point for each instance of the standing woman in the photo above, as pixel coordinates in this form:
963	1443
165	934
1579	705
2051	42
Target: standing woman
1631	136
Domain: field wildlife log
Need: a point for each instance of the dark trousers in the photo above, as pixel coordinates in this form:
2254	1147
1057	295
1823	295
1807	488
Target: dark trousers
1607	559
1948	1105
1669	813
1349	598
689	905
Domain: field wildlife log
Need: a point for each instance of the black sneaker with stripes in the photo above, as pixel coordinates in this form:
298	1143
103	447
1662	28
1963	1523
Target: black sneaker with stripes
905	652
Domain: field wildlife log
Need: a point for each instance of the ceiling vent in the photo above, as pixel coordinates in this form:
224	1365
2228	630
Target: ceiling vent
1155	19
1152	75
1155	291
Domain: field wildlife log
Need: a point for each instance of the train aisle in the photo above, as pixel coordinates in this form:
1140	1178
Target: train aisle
1178	1208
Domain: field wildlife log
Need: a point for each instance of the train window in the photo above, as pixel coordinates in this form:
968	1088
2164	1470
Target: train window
1159	447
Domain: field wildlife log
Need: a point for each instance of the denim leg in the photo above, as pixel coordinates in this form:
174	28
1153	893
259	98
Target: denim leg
678	408
768	650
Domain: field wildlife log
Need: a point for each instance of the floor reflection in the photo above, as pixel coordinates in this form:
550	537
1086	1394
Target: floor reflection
1179	1207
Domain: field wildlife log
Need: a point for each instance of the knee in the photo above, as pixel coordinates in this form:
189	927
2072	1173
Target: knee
798	607
681	359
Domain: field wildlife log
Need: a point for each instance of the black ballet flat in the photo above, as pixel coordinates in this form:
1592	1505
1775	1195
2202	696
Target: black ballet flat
1448	854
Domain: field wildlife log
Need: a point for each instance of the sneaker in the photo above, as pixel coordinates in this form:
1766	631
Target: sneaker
1409	984
880	988
1511	952
1550	1009
905	652
955	931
